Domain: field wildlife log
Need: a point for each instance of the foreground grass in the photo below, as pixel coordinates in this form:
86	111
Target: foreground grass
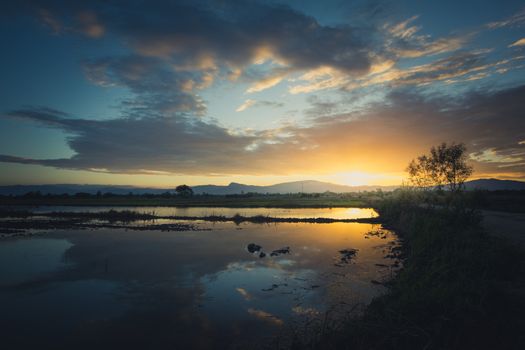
459	288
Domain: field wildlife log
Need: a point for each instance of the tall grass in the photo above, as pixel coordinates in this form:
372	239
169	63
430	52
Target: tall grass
459	288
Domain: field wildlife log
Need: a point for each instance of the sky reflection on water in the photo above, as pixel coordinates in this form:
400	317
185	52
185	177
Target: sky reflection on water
333	213
109	288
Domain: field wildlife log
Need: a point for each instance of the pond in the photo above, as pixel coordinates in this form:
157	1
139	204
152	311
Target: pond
332	213
115	288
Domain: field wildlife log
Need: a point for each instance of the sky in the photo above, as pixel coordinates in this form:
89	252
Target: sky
160	93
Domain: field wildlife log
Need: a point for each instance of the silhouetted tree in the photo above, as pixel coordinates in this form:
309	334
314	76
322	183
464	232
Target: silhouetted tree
165	194
184	191
445	165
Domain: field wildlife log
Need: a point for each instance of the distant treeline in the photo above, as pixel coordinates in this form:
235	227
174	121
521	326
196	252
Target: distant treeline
481	195
501	200
168	194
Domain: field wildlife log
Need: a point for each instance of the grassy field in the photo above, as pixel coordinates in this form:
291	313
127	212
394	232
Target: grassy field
263	201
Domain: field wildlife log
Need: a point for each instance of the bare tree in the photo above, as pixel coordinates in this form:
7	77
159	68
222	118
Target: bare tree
446	165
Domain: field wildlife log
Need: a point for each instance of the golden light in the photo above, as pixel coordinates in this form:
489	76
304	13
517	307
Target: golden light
361	178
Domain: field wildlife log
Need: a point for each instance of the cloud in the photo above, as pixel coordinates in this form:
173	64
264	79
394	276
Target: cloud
168	52
320	79
386	135
382	137
520	42
50	20
158	87
235	33
490	155
258	103
262	44
90	25
515	20
66	18
145	145
461	66
265	83
247	104
404	40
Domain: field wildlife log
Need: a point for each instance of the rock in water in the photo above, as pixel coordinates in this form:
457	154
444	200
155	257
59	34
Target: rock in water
347	255
285	250
253	248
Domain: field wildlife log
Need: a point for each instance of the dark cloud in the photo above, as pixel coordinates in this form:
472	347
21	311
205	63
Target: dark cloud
490	123
230	32
177	145
234	32
158	88
176	48
383	138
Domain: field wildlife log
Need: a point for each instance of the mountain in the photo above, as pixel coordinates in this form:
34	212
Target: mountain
495	185
308	186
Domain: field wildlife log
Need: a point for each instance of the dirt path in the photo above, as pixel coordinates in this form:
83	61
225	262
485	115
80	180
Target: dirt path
503	224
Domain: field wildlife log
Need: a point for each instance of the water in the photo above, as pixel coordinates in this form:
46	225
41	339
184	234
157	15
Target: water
333	213
195	289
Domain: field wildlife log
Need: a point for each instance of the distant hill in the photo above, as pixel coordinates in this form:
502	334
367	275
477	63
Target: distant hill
495	185
309	186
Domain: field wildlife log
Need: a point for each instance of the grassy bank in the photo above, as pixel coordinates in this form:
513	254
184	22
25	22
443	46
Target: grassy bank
459	288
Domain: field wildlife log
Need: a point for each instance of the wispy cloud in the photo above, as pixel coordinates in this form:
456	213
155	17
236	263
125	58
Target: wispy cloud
517	19
257	103
90	25
265	83
404	40
520	42
247	104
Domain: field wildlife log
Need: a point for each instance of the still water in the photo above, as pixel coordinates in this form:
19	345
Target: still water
112	288
332	213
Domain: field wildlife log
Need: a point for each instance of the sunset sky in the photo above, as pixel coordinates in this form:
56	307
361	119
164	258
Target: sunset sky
159	93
